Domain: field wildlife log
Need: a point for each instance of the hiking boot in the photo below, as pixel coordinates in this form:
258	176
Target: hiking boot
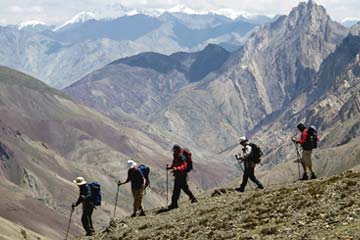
92	233
313	176
133	215
142	213
194	200
173	206
304	177
260	187
239	189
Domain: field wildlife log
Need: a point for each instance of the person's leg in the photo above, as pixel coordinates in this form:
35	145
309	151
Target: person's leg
135	204
308	163
254	179
303	163
86	219
90	212
244	181
186	189
176	193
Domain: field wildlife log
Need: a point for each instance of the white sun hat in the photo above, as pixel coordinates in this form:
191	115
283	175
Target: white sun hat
243	139
131	163
79	181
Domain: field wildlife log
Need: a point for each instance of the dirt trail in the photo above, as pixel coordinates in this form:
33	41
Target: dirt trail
326	208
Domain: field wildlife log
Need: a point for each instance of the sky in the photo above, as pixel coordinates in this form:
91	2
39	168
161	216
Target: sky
57	12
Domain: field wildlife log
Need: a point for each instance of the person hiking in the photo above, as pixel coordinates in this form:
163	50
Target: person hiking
178	168
249	165
88	206
307	151
138	183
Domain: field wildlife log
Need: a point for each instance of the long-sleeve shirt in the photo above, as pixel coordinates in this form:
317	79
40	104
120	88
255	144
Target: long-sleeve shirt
248	163
84	194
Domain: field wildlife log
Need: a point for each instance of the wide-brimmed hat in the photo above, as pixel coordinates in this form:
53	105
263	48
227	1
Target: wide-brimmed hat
79	181
131	163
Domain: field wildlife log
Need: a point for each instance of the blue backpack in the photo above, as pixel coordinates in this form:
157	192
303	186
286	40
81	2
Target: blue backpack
95	193
145	170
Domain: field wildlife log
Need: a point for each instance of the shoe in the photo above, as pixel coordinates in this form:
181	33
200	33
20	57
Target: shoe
194	200
260	187
90	234
171	206
304	177
142	213
313	176
239	189
133	215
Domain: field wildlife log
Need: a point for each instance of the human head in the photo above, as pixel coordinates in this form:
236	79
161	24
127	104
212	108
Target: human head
131	164
79	181
176	148
301	127
243	140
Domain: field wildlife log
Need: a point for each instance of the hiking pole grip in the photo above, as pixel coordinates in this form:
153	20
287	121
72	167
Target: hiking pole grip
116	200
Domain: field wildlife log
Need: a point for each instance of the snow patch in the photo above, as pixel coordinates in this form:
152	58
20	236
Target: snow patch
79	18
31	23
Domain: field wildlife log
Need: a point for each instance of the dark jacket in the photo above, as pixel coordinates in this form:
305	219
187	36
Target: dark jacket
136	178
84	195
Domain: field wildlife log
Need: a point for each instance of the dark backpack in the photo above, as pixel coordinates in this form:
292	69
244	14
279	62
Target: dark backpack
145	170
188	158
95	193
256	153
311	139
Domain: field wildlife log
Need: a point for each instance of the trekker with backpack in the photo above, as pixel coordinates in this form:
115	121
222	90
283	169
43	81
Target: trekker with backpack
138	184
308	142
181	165
88	200
251	156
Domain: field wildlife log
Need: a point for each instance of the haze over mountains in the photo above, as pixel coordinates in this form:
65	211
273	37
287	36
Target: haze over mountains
303	67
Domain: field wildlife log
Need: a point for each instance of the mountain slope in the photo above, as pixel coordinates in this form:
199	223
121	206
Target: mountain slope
321	209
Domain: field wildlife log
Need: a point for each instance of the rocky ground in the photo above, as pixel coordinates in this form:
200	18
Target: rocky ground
327	208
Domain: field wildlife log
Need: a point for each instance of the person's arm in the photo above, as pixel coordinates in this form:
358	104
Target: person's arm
126	181
75	204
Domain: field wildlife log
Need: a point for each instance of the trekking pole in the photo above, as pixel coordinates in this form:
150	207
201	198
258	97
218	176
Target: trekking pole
68	228
298	157
167	187
116	199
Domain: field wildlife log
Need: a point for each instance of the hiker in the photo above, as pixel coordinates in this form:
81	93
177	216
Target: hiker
179	169
249	165
138	184
307	146
85	198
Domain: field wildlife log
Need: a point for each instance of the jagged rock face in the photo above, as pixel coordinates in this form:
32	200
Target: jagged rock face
277	63
332	106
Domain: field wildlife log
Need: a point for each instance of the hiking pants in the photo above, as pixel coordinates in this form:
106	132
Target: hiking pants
86	217
306	160
180	183
249	173
138	195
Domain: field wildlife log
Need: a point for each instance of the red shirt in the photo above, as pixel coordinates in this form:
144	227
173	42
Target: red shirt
179	164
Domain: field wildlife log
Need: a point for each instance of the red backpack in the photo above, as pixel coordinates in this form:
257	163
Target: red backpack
187	154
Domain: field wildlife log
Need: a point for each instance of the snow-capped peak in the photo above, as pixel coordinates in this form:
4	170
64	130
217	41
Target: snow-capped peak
31	23
352	19
79	18
183	9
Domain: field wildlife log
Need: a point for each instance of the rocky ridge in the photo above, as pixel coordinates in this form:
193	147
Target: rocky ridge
326	208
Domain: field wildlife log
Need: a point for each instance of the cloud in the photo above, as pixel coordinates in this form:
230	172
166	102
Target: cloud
30	9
